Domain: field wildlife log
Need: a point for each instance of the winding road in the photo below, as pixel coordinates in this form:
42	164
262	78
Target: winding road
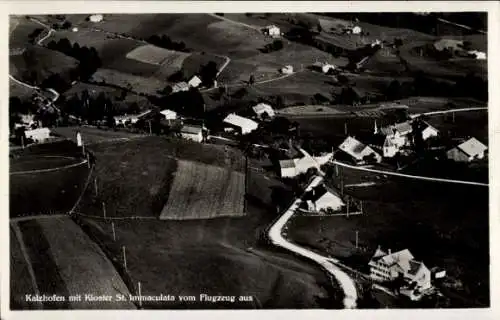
276	237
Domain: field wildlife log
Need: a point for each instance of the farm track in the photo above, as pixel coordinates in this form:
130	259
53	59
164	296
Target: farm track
235	22
390	173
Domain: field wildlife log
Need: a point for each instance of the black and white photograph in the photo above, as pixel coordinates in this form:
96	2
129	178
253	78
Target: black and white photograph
248	160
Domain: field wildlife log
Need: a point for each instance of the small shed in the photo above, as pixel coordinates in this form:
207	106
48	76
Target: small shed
96	18
194	82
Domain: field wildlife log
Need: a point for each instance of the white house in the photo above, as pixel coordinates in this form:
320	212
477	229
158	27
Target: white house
356	30
272	30
194	82
263	108
169	114
429	131
322	198
96	18
293	167
358	151
323	66
388	266
389	149
180	86
245	125
38	135
479	55
467	151
288	69
192	132
398	133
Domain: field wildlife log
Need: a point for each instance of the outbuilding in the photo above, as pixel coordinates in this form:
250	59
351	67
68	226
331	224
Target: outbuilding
358	151
192	132
263	108
272	30
467	151
245	125
169	114
38	135
194	82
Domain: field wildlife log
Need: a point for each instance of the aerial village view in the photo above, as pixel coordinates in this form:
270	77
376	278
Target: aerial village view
249	161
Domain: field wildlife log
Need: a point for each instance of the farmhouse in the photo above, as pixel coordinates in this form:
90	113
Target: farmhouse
169	114
323	66
96	18
272	31
288	69
131	118
38	135
245	125
194	82
467	151
321	198
290	168
180	86
429	131
358	151
388	266
263	109
398	133
479	55
192	132
353	30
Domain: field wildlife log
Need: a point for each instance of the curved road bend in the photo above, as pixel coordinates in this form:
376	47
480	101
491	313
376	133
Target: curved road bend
276	237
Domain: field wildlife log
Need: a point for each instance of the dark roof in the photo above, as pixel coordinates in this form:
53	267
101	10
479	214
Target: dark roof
414	267
191	129
316	193
287	163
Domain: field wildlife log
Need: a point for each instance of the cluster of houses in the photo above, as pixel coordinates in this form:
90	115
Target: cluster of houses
32	129
416	278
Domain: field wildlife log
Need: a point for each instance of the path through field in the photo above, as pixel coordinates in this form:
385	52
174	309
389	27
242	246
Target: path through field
276	237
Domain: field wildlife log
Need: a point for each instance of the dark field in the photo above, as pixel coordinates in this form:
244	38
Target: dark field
45	192
441	224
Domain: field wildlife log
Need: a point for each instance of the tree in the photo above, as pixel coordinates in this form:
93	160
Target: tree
66	25
393	91
251	81
208	73
398	42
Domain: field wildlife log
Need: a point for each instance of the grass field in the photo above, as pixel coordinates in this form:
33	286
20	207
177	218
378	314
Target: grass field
418	215
19	30
92	136
202	192
44	192
20	279
461	126
43	61
20	91
133	182
155	55
66	262
148	85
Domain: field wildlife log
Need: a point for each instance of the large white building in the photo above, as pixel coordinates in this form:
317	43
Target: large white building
245	125
388	266
169	114
272	30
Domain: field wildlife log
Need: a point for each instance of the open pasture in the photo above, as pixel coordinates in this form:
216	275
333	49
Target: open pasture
202	192
155	55
66	262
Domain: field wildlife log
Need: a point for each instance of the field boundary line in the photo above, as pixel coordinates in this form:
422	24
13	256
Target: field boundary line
114	218
31	271
447	111
85	186
342	164
235	22
48	170
36	217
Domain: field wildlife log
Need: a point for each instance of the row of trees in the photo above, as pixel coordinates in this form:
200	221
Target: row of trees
470	85
88	57
89	108
164	41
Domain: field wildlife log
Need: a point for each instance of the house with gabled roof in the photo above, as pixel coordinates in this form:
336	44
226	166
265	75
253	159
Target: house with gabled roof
263	108
293	167
180	86
322	198
192	132
245	125
358	151
387	266
467	151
